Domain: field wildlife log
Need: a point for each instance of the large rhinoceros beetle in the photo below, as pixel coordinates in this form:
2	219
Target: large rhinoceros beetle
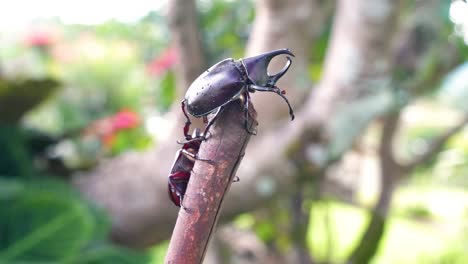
229	80
182	168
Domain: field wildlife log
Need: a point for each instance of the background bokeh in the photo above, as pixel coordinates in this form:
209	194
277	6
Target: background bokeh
92	83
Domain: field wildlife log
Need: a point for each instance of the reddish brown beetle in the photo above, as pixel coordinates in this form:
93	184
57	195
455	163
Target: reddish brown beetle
182	168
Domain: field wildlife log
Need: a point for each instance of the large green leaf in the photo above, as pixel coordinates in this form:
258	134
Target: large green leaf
47	222
19	96
39	223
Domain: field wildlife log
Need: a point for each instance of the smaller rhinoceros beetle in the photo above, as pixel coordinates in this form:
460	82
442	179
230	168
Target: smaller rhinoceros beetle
229	80
182	168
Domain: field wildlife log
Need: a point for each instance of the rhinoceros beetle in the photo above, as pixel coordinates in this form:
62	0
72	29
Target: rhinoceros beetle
182	168
229	80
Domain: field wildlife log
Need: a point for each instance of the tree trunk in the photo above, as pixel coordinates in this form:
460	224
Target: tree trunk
390	172
412	47
294	25
186	38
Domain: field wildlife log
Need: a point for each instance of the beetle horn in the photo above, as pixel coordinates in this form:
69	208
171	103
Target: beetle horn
256	67
274	78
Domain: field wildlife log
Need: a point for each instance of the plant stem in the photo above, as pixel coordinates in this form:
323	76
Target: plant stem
209	183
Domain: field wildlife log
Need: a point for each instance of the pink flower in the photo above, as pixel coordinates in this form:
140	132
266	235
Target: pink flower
125	119
162	63
40	38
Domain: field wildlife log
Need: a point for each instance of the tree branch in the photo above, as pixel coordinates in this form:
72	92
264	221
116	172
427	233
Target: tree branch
435	146
389	172
292	24
186	38
208	185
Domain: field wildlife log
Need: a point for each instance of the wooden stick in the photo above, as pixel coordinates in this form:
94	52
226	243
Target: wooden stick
209	183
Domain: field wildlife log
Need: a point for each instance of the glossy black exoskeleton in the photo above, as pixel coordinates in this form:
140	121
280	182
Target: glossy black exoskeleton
230	80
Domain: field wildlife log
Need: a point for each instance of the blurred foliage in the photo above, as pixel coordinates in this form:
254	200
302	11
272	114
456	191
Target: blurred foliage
19	96
225	27
70	95
166	94
454	90
46	132
417	211
44	221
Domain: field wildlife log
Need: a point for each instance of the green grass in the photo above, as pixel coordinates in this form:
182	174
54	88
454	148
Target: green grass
159	252
427	225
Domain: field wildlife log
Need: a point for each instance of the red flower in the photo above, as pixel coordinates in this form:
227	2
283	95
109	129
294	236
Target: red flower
107	128
162	63
125	119
40	38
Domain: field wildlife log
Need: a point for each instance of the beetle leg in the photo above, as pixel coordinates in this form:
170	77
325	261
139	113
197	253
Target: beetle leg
190	140
187	122
276	90
211	122
247	114
182	202
195	137
193	156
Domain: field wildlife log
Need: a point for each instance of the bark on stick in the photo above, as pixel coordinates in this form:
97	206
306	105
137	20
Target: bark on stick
209	183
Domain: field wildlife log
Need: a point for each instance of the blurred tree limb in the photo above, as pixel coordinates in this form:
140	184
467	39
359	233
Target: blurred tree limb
186	38
391	172
435	146
291	24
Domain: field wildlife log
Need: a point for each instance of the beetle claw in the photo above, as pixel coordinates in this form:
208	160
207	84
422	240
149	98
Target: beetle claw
256	67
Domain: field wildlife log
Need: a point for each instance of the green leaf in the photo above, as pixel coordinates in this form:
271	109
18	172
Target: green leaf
9	188
105	253
42	224
20	96
167	92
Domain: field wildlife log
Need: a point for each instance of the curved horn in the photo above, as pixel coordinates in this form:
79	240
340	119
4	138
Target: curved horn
256	67
274	78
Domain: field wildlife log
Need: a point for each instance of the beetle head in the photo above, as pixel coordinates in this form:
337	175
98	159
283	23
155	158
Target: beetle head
257	67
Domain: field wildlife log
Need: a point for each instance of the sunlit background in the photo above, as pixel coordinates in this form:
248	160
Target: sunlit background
106	76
